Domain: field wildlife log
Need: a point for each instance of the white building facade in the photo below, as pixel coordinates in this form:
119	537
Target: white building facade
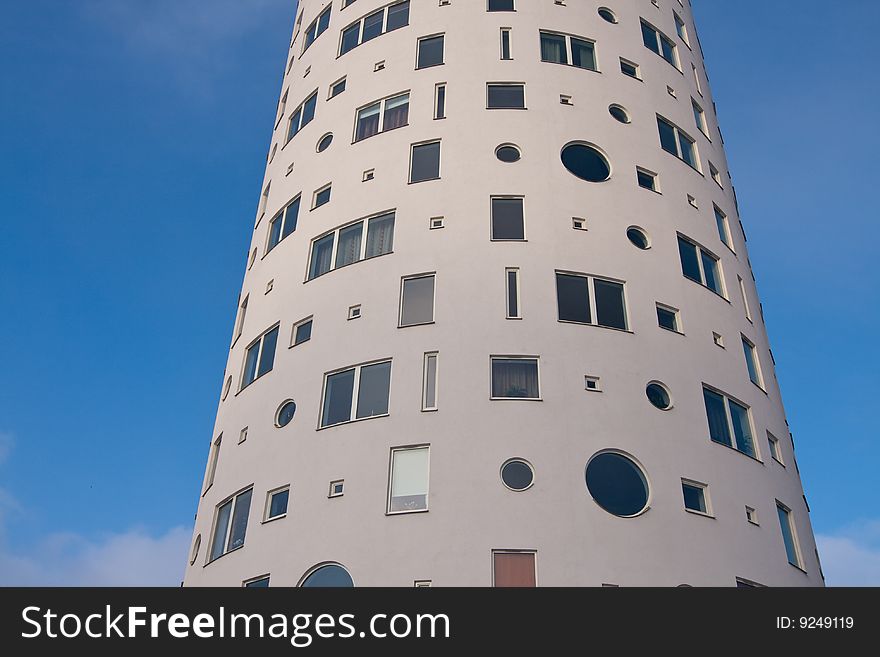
498	324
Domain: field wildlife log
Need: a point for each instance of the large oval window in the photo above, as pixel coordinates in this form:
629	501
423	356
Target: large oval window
329	576
617	484
586	162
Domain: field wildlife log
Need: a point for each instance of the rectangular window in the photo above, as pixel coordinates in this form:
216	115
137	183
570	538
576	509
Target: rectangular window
667	318
500	5
239	322
647	179
429	382
630	69
508	223
589	300
505	43
745	298
408	480
230	524
697	79
337	88
513	569
337	488
317	27
356	393
752	362
276	503
302	332
417	300
789	535
700	118
505	96
568	50
729	422
283	224
373	25
681	29
260	357
345	245
282	106
676	142
424	162
515	378
723	227
715	175
440	101
321	197
303	115
694	497
429	52
213	458
257	583
512	285
659	43
700	265
775	448
382	116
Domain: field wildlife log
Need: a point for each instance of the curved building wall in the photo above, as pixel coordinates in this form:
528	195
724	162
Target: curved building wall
470	513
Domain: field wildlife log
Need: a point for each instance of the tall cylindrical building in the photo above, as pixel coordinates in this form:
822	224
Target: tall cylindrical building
498	324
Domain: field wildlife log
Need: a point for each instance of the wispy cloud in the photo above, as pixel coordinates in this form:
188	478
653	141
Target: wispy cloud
851	555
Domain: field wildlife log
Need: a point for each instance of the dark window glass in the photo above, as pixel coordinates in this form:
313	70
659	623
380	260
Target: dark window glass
278	504
619	113
398	16
339	87
323	21
294	124
688	151
512	294
710	268
373	390
275	227
417	302
286	413
308	112
322	197
719	430
368	121
667	136
658	396
337	398
331	576
373	26
583	54
508	153
440	108
517	474
573	298
425	162
501	5
788	535
649	37
586	163
610	310
694	498
350	38
290	217
668	49
506	96
553	48
608	15
505	44
742	428
667	319
430	52
396	112
303	333
322	252
507	219
617	484
325	142
380	235
646	180
262	583
238	528
267	356
515	378
638	238
349	249
218	543
628	69
690	264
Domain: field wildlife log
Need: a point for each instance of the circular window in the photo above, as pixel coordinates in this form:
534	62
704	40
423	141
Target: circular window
508	153
195	551
517	475
658	395
285	413
619	113
617	484
324	142
226	387
586	162
638	237
608	15
329	576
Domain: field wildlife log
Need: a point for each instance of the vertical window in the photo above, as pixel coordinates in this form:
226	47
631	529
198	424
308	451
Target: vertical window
302	332
505	43
264	201
424	162
716	176
668	318
230	524
303	115
676	142
589	300
213	459
775	448
317	27
282	106
430	52
508	222
345	245
697	79
373	25
700	265
512	284
408	480
440	101
659	43
729	422
681	28
695	497
356	393
745	298
283	224
260	357
429	382
417	300
382	116
752	362
276	503
700	118
569	50
239	323
789	535
513	569
505	96
515	378
723	227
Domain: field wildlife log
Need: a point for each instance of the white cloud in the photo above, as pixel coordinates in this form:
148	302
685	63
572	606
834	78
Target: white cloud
851	556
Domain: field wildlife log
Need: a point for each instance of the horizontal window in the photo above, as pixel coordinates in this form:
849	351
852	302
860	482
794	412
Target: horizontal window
302	116
500	5
673	140
317	27
700	265
260	357
230	524
408	480
283	224
505	96
659	43
382	116
346	245
373	25
590	300
729	422
356	393
515	378
569	50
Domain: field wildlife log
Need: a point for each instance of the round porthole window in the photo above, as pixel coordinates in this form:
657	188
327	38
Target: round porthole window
617	484
517	475
324	142
658	395
638	237
285	413
608	15
619	113
508	153
195	551
586	162
331	575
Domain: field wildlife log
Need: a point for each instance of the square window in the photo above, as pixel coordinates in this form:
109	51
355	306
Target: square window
257	583
422	584
508	222
322	197
500	5
729	422
425	162
578	224
343	402
337	488
630	69
230	524
337	88
354	312
667	318
436	223
591	383
302	332
647	179
789	534
511	283
751	515
515	378
430	52
259	357
276	503
695	497
369	174
513	569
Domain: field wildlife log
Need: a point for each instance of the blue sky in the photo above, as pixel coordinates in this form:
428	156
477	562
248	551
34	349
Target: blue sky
133	138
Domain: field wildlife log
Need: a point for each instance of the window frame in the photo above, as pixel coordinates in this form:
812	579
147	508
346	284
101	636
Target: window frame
700	119
382	109
775	448
295	330
355	393
532	553
406	448
261	340
414	277
270	494
283	216
701	250
638	69
317	25
213	460
489	85
591	291
679	134
298	114
517	298
792	528
569	49
704	493
660	37
536	359
362	256
675	312
426	407
750	349
506	197
360	23
420	144
429	37
730	426
227	535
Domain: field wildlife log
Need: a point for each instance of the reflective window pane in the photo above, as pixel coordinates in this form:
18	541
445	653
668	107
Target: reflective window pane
373	391
338	392
515	378
417	301
610	307
507	219
425	163
573	298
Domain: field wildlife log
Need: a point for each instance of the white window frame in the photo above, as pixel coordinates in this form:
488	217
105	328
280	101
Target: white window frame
381	103
756	361
660	35
298	111
282	216
676	312
333	85
534	554
704	488
213	460
332	493
697	79
726	237
321	190
525	105
792	525
427	37
568	50
439	112
591	290
413	277
506	197
702	282
679	133
407	448
239	321
435	356
412	148
775	447
360	21
681	29
268	507
355	393
515	271
234	499
505	35
730	430
745	297
655	178
495	357
361	256
261	340
295	328
629	62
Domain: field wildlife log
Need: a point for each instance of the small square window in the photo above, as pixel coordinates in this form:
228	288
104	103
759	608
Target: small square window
422	584
337	88
379	66
693	202
424	162
337	488
695	497
630	69
668	318
276	503
591	383
302	332
242	436
565	100
354	312
647	179
321	197
436	223
718	339
775	448
369	174
671	91
751	515
578	224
